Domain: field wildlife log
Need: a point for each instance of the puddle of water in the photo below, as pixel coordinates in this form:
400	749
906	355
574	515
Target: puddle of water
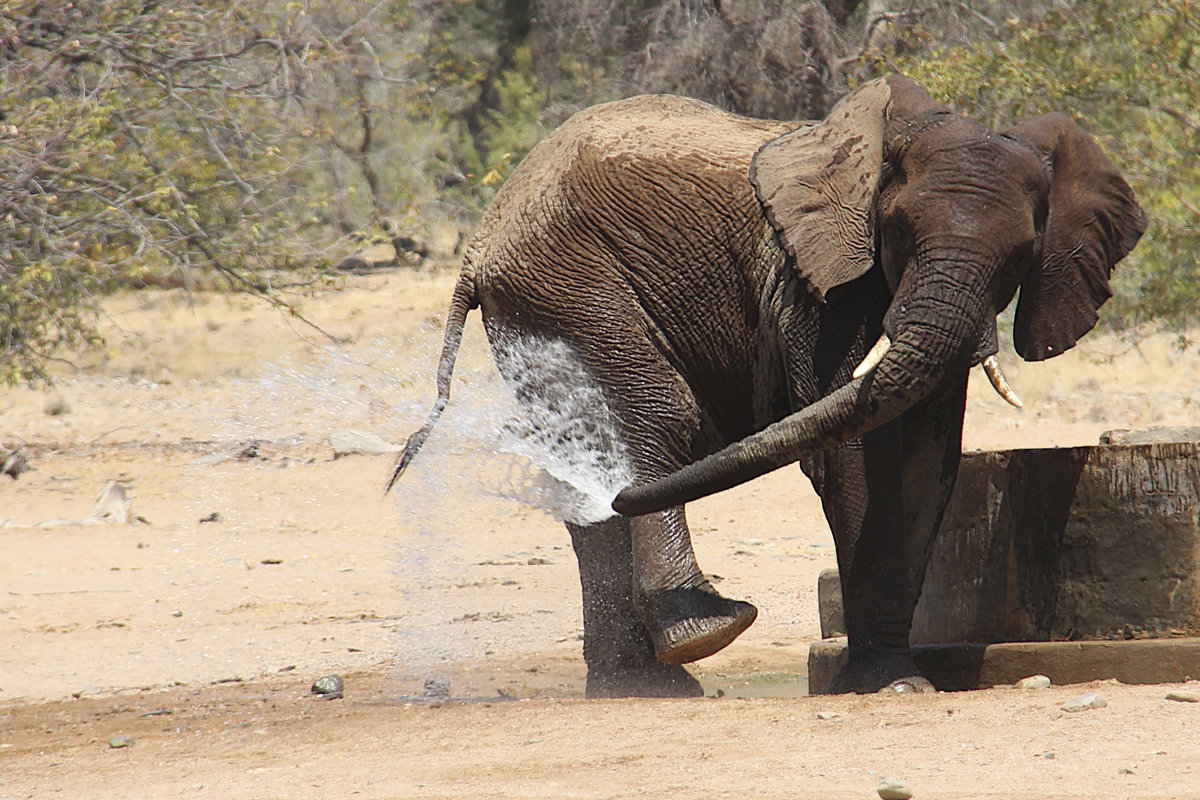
757	685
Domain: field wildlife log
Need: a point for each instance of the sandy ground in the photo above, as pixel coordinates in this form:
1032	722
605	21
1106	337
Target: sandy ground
255	562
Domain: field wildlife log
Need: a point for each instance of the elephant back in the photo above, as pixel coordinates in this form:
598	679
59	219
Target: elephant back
651	130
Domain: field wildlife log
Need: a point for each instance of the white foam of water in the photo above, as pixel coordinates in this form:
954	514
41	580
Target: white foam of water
554	449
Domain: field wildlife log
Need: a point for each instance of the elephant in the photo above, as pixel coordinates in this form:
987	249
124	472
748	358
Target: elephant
748	294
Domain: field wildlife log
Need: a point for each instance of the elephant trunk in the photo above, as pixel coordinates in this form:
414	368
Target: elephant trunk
936	338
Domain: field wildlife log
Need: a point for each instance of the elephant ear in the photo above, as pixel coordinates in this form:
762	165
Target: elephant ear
1093	221
818	185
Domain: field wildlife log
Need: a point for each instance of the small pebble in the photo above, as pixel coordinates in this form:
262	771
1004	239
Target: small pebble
437	688
329	688
1183	696
892	789
1085	702
1033	682
828	715
120	741
13	463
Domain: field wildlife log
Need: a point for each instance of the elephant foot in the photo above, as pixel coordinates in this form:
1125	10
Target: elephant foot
689	624
885	674
649	680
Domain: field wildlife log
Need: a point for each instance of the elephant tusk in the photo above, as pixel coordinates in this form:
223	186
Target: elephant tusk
992	367
874	357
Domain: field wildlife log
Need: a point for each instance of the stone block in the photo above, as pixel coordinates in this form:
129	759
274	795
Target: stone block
829	604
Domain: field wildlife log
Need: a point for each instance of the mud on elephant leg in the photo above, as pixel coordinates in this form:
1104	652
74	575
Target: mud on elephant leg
618	650
686	617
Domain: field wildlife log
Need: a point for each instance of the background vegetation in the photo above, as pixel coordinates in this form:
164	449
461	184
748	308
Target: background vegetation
254	144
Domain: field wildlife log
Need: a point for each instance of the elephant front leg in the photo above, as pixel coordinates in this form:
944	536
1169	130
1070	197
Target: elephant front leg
619	652
686	618
884	501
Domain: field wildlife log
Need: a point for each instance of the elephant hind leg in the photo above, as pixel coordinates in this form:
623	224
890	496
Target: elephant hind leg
653	420
687	618
619	652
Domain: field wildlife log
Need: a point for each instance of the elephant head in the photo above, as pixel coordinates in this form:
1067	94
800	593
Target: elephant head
958	218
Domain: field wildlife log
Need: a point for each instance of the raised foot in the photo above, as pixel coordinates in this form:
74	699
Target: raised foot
885	674
654	680
689	624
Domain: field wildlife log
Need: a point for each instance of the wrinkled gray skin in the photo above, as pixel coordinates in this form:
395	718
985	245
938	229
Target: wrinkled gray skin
721	277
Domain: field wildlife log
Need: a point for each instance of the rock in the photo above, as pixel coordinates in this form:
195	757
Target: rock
330	687
892	789
251	451
1085	702
827	715
1183	696
437	688
13	463
120	741
347	442
111	506
1033	682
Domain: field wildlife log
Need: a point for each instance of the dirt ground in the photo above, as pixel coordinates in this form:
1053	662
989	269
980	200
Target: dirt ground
254	562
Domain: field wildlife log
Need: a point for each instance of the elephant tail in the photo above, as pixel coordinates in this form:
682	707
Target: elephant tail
464	299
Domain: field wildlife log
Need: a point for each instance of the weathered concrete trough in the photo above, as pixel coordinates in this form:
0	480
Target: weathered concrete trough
1067	545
